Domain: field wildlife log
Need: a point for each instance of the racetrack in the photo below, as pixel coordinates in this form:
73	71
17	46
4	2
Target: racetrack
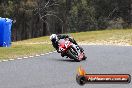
53	71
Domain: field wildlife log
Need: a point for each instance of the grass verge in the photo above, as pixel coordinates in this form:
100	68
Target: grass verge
116	37
42	44
26	48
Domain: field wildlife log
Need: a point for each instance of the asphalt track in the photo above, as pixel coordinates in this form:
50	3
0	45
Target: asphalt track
52	71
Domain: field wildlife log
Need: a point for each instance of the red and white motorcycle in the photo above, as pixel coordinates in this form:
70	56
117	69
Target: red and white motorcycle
71	50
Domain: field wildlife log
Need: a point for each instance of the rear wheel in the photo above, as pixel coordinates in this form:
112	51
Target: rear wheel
73	54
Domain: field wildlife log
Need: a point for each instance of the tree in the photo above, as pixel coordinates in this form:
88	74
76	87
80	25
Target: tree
34	18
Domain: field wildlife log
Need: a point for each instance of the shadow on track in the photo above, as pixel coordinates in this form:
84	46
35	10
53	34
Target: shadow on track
65	60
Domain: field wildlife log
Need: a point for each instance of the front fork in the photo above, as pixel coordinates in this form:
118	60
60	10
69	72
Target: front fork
77	47
79	51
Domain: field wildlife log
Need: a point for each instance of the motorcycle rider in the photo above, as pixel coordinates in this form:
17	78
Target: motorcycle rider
55	38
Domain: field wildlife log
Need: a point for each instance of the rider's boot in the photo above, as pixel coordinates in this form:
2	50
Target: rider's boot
63	54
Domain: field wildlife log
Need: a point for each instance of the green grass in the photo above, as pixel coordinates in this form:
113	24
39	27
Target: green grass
119	36
43	44
26	48
42	40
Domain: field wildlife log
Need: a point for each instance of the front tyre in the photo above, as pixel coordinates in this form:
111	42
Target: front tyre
73	54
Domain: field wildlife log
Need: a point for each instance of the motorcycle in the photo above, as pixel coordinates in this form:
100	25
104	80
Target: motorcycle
71	50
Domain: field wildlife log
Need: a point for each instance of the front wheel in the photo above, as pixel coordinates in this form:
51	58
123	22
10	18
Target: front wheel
73	54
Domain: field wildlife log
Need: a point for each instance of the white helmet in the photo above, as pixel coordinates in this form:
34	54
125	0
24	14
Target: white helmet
53	37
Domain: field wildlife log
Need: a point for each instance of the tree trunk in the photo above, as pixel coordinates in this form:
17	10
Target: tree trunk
130	13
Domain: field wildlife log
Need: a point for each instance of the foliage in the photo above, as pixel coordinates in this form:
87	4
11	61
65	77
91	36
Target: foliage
34	18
